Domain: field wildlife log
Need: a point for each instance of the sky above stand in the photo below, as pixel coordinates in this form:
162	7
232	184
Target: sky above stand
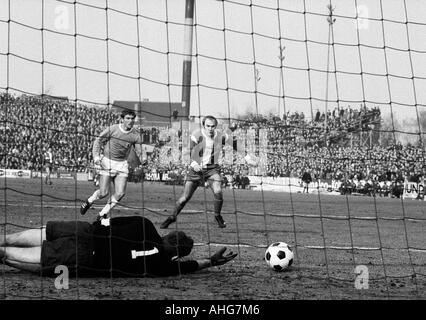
60	48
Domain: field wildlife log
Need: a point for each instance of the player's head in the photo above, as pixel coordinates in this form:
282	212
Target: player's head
127	112
177	243
209	124
128	118
211	119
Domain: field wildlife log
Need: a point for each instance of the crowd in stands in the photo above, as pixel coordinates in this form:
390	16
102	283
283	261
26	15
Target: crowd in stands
295	143
29	125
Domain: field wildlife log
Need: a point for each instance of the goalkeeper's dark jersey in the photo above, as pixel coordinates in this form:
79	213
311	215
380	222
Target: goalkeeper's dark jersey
132	247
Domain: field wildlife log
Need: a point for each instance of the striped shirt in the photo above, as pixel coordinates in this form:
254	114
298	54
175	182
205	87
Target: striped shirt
206	150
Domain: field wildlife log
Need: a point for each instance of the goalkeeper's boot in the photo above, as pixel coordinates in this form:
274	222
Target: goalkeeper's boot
167	222
219	219
84	207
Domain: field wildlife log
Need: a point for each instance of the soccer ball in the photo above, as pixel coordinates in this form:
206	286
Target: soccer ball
279	256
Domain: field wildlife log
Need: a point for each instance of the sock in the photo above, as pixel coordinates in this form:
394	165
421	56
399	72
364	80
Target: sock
218	202
94	196
112	202
178	208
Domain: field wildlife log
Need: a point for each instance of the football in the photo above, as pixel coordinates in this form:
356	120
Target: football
279	256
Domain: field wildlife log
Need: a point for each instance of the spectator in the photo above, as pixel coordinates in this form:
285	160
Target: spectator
31	124
307	179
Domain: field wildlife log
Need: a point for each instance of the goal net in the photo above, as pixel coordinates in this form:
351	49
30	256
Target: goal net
326	97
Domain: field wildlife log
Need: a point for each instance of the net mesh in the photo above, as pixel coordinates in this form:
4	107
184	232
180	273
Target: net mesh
336	89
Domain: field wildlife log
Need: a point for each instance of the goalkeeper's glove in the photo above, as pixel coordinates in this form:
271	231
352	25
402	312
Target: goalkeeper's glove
218	258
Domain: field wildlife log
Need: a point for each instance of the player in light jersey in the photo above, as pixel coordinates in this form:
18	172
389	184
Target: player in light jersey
116	141
205	147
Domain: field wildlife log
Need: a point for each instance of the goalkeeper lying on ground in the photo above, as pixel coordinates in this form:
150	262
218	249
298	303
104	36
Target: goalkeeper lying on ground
131	244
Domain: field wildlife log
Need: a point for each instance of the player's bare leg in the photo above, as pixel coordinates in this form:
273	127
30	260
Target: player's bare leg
102	192
27	259
27	238
188	191
120	185
215	183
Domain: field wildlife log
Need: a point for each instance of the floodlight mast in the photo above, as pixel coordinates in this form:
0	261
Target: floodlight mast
187	58
186	81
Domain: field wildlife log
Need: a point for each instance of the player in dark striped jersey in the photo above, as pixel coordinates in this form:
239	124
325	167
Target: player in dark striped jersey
206	145
124	247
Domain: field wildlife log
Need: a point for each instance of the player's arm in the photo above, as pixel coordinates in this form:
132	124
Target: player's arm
219	258
181	267
229	138
141	153
194	148
98	143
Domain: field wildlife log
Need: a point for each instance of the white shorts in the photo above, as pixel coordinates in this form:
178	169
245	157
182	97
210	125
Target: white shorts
114	168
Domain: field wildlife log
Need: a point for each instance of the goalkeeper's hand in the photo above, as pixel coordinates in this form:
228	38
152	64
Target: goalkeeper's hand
219	258
195	166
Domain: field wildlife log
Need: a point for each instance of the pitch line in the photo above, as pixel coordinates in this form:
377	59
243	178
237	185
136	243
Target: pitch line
160	211
192	211
64	206
216	244
53	205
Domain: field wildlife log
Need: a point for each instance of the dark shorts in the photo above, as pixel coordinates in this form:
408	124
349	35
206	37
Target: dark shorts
204	175
68	244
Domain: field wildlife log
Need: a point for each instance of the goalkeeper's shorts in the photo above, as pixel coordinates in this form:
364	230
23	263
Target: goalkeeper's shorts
67	243
114	168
